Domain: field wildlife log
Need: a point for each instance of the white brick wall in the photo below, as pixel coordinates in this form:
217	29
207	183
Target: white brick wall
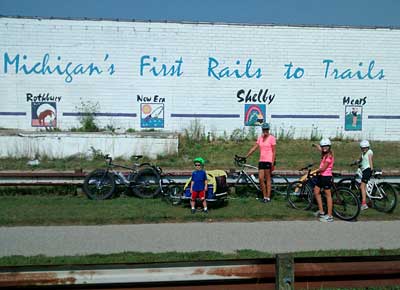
301	103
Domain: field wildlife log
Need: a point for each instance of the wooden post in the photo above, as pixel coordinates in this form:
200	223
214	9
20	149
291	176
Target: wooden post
284	269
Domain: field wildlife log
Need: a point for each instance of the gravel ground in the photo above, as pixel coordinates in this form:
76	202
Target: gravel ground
273	237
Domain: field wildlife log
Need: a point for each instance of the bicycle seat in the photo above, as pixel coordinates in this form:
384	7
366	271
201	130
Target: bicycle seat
377	172
240	160
137	157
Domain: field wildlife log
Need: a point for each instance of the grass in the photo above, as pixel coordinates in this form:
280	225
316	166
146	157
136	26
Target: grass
291	155
38	209
137	257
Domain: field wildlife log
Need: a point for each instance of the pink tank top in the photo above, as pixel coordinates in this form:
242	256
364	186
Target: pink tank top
330	160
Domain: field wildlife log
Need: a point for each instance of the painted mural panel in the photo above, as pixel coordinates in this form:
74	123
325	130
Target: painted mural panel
353	118
254	115
44	114
152	115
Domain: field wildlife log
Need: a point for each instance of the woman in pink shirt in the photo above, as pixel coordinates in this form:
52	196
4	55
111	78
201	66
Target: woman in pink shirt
266	143
325	180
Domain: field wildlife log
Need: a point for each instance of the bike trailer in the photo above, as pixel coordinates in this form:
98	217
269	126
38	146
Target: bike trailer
217	186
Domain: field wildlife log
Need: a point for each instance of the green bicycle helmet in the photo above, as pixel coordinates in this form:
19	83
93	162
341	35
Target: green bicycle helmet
199	160
265	126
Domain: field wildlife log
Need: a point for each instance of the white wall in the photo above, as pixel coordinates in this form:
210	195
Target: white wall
62	145
313	100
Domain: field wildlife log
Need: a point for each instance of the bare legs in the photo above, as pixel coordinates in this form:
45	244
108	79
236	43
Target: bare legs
264	176
363	193
328	194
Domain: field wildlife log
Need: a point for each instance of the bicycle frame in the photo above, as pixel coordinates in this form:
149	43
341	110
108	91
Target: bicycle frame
121	179
371	185
245	178
243	173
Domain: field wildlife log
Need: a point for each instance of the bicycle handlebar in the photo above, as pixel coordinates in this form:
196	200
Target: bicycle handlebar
355	162
307	167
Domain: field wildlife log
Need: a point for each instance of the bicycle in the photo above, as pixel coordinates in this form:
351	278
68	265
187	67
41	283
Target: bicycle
382	195
250	182
170	191
143	180
300	195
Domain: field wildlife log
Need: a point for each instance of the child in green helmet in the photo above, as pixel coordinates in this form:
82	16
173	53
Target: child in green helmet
199	184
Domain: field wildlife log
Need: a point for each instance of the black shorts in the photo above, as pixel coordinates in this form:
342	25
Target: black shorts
324	182
366	175
264	165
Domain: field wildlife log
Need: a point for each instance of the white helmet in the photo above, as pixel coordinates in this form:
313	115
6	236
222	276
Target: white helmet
325	142
364	144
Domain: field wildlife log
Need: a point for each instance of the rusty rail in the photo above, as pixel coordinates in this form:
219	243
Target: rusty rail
308	273
56	178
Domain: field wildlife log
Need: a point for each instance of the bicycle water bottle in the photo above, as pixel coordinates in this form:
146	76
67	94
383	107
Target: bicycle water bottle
253	178
358	175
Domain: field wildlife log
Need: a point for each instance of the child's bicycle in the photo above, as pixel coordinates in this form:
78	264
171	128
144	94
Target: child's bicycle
143	180
382	195
300	195
249	184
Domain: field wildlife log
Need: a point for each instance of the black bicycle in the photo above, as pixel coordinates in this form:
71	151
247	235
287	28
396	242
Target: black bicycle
300	195
381	194
248	183
143	179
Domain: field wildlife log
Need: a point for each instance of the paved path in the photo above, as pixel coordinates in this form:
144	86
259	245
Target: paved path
273	237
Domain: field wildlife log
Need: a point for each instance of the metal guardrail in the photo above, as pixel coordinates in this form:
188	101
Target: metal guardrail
283	272
48	178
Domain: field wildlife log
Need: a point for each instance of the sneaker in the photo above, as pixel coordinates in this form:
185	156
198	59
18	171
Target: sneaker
193	210
318	214
265	200
364	206
326	218
205	210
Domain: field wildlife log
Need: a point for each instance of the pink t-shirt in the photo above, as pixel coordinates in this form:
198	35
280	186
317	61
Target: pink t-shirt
266	148
328	171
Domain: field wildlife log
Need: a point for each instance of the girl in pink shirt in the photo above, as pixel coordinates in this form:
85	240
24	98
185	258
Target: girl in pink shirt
266	143
325	180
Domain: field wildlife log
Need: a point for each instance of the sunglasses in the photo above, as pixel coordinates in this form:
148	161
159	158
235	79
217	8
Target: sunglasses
197	164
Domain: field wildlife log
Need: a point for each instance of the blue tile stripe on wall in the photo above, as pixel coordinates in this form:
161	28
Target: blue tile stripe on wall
305	116
101	114
205	115
384	117
12	113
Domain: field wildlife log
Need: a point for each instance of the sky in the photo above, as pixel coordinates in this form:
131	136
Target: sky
292	12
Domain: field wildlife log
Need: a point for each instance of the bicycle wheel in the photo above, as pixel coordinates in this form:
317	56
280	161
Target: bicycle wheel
388	201
299	195
346	205
279	185
349	183
244	187
173	194
99	184
146	183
